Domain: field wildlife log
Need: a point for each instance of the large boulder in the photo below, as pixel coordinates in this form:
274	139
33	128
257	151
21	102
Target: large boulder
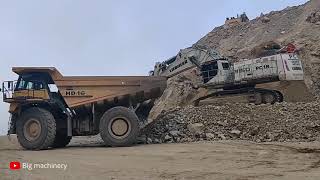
181	90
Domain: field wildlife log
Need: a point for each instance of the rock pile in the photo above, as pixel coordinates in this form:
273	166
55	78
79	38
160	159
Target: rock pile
314	17
181	91
264	49
265	19
262	123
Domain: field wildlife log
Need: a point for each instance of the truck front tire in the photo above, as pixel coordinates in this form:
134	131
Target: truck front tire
119	126
36	129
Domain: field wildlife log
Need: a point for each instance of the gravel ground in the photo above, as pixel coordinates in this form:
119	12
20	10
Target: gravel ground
202	160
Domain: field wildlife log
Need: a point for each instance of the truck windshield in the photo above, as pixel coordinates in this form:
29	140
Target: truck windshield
25	84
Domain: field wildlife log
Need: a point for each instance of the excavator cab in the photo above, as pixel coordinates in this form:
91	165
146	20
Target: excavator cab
209	70
216	72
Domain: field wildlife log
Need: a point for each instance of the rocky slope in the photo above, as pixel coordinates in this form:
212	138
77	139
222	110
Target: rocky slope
175	121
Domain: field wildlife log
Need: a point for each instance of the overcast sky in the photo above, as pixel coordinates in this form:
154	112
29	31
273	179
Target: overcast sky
104	37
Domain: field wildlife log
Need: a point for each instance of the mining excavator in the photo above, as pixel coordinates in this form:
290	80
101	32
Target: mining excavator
47	109
223	78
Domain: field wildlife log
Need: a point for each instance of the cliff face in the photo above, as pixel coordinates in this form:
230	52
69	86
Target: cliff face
299	25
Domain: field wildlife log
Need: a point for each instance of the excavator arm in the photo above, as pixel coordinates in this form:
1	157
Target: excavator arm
186	59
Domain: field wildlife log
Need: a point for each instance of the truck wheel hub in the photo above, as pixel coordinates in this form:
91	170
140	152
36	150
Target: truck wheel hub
32	129
120	127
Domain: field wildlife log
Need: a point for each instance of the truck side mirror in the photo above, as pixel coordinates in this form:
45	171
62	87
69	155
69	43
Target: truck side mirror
53	88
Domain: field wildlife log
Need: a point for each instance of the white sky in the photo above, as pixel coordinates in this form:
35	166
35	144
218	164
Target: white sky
104	37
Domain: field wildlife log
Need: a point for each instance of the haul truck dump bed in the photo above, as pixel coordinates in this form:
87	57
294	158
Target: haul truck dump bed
47	108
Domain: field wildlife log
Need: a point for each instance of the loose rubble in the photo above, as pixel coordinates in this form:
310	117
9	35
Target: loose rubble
181	91
265	19
259	123
314	17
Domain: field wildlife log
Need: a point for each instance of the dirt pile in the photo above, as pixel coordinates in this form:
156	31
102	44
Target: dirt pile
314	17
262	123
264	49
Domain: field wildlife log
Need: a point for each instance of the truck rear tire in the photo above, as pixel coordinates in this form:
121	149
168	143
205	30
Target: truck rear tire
36	129
61	140
119	127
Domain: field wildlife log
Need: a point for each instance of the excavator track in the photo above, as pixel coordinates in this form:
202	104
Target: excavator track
255	95
270	96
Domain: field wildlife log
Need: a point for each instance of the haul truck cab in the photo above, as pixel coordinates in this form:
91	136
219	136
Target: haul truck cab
47	109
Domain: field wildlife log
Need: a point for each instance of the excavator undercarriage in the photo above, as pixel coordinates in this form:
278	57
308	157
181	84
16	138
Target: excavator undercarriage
251	95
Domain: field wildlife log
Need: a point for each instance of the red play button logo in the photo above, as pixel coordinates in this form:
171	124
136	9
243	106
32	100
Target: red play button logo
15	165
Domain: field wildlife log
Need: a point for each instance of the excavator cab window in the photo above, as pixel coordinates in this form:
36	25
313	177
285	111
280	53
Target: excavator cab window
225	66
209	70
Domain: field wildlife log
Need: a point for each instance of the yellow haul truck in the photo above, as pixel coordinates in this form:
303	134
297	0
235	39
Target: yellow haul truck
47	109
